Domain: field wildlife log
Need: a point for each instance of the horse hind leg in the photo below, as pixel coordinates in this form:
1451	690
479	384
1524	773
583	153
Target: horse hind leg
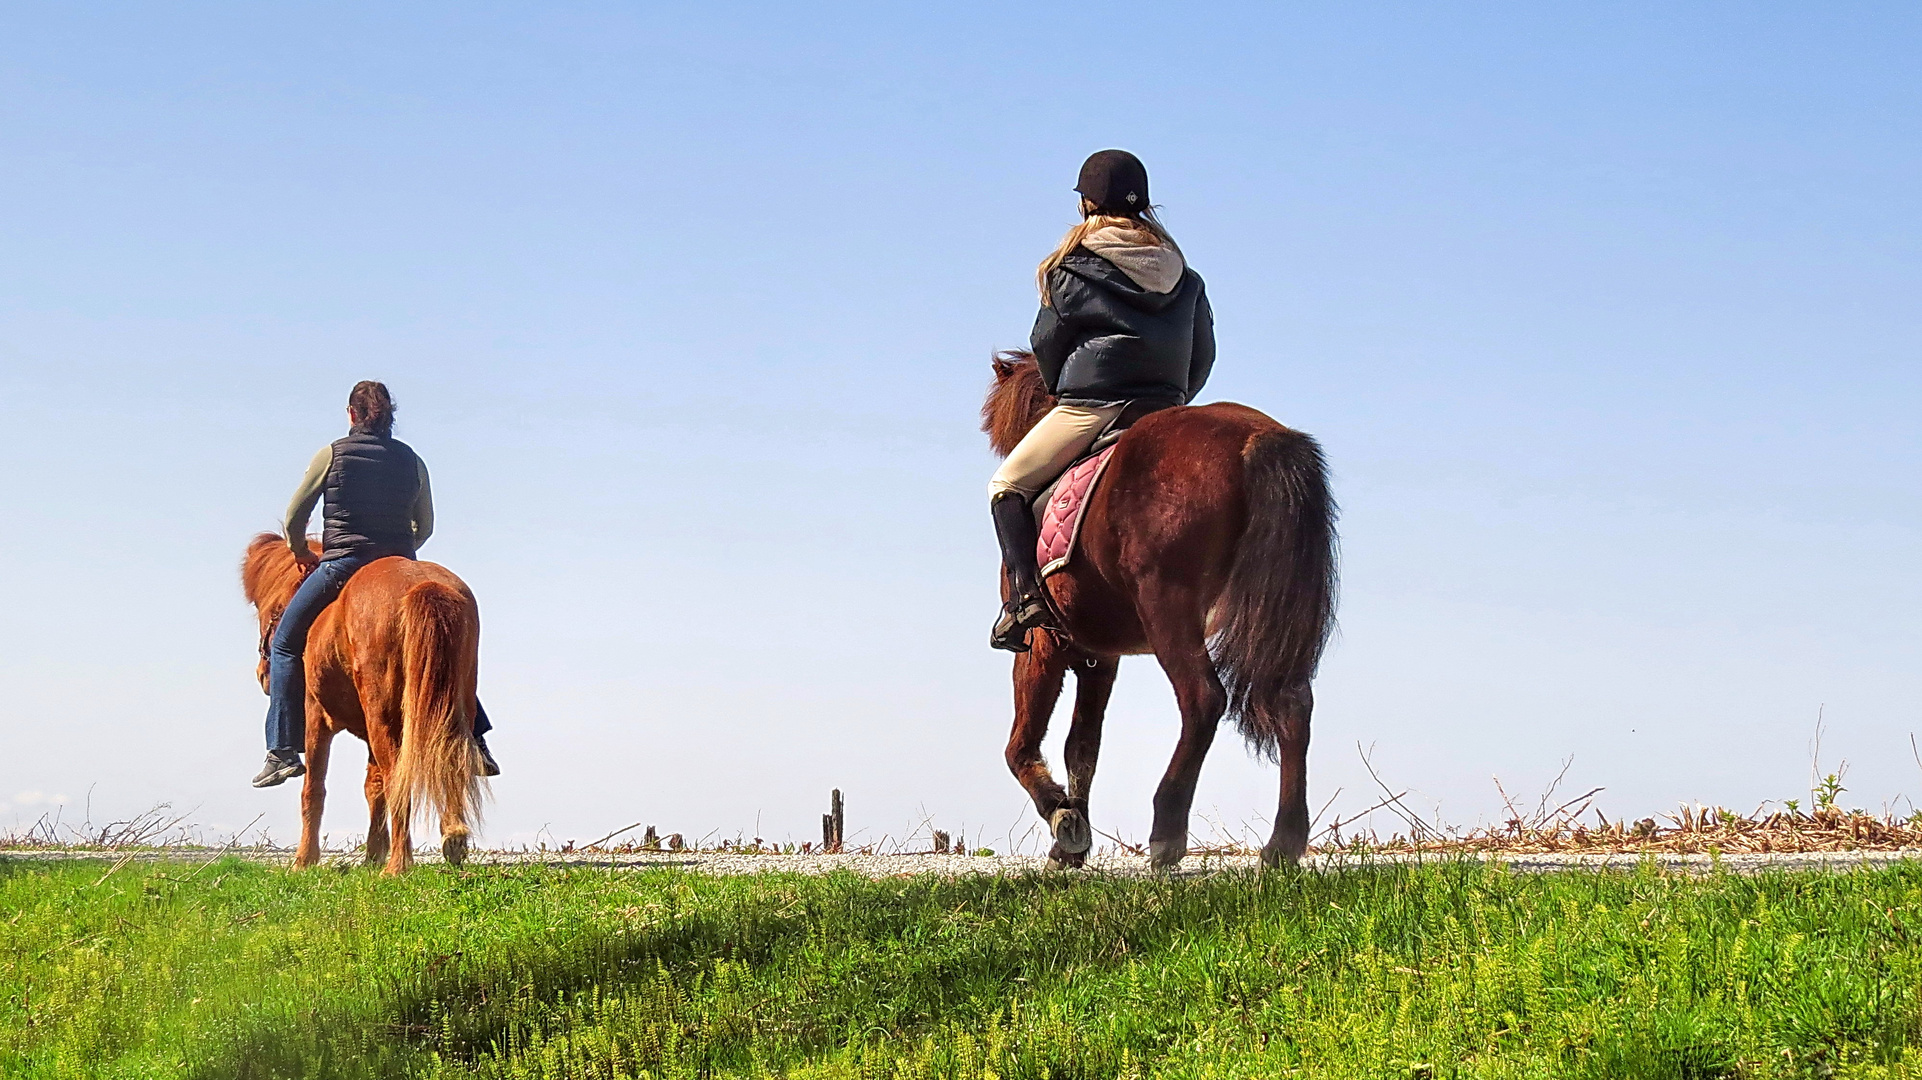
454	837
1072	828
376	788
1290	839
383	751
1181	648
400	858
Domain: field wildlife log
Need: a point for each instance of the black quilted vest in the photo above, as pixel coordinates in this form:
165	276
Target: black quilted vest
370	493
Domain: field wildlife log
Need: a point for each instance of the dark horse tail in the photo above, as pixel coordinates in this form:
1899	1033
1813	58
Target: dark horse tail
440	651
1279	607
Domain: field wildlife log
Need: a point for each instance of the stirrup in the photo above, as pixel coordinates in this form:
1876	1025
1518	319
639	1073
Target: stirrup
1018	617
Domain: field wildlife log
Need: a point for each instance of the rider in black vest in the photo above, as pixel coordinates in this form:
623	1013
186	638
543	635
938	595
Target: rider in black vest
377	503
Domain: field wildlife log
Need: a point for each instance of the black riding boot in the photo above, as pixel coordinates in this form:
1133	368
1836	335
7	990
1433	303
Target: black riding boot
1025	609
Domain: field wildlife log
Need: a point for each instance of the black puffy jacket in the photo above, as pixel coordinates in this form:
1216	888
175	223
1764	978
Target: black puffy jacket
1107	340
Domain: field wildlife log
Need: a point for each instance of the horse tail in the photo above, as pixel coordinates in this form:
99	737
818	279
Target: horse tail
440	657
1279	605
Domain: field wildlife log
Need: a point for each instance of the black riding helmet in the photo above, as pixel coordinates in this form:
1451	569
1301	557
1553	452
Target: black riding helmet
1116	182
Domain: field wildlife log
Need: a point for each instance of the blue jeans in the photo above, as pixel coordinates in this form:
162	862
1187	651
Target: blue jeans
286	665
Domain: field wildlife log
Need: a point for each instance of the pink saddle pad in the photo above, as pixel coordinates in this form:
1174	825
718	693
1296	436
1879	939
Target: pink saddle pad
1058	511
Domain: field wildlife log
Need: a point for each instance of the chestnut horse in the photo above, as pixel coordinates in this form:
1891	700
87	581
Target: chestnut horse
1210	522
393	661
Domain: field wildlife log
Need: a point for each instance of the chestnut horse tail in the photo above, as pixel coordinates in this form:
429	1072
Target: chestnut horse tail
440	654
1278	609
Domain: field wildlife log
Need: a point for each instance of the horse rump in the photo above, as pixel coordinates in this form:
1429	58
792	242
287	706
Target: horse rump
439	764
1278	608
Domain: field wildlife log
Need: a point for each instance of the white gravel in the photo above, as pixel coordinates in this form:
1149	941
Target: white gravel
878	866
881	866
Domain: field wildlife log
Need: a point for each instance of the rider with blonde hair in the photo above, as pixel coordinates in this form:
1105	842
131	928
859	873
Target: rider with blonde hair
375	502
1124	322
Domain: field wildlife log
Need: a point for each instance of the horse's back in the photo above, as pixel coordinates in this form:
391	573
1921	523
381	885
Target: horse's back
1201	427
387	580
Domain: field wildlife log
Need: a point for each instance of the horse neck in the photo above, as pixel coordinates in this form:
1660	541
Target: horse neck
1016	407
1027	423
276	576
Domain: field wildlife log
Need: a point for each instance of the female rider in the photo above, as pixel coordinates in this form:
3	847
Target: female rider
1123	321
377	504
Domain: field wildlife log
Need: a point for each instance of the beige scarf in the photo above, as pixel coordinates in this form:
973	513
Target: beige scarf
1148	264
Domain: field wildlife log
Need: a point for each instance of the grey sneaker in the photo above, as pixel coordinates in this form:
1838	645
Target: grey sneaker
487	765
282	766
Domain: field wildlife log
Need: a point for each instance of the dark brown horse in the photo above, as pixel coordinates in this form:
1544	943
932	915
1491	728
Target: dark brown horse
393	661
1212	525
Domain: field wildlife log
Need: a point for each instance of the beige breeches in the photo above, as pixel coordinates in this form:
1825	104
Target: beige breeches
1046	452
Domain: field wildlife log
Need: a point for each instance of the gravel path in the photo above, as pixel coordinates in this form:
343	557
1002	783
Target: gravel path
880	866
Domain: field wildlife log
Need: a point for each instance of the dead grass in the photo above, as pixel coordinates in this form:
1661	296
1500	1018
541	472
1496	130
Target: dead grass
1689	831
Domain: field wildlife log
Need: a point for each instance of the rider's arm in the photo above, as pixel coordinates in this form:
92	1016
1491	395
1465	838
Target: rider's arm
423	506
1051	336
1202	360
306	496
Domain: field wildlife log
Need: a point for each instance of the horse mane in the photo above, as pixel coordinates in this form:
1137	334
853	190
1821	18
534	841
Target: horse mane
1017	399
269	574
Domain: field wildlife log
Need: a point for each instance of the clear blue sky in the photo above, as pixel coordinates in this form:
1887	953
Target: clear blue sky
1606	314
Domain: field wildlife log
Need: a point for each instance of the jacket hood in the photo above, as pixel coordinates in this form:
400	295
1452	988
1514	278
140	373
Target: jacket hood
1154	267
1106	277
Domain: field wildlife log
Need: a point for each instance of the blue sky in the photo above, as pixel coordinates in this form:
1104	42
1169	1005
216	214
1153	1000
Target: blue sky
1605	315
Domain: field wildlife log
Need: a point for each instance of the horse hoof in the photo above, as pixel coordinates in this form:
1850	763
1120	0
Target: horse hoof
454	849
1166	854
1071	830
1274	858
1060	858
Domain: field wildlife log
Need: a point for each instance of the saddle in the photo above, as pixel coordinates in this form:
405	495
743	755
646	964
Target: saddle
1059	508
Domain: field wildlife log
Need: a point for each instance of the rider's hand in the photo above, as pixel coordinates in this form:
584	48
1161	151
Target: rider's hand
306	558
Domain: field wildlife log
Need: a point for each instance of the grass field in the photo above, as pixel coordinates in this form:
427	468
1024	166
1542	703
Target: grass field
231	969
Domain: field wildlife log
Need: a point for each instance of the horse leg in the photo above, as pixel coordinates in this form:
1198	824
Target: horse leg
383	748
313	792
1176	633
1075	834
1037	686
1290	839
376	788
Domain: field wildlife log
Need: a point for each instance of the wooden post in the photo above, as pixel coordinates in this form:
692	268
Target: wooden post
840	822
833	823
650	839
940	842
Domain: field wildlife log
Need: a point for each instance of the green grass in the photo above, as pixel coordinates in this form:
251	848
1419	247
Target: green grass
233	970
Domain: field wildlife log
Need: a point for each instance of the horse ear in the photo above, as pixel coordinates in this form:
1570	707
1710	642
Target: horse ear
1002	368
